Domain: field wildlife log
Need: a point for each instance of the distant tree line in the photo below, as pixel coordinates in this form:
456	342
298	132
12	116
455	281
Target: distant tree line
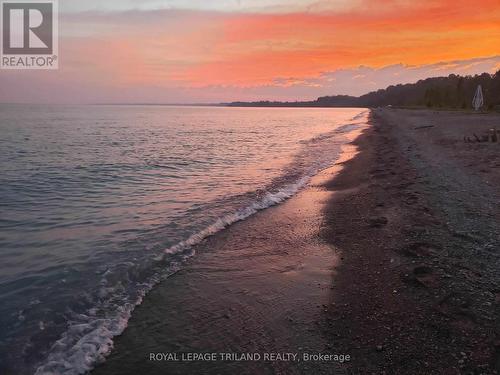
453	91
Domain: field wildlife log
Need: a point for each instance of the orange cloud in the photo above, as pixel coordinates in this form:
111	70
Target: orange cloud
256	47
182	50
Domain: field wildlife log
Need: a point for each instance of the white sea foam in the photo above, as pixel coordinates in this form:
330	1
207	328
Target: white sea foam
269	199
89	340
86	342
361	115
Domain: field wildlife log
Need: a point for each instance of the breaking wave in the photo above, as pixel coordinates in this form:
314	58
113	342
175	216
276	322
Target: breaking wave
89	339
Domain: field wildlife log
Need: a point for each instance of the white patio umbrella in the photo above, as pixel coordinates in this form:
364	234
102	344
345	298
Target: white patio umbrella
477	101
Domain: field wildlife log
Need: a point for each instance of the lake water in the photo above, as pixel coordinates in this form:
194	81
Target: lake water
99	203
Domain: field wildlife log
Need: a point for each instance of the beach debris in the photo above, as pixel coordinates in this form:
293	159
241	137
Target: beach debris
423	127
489	136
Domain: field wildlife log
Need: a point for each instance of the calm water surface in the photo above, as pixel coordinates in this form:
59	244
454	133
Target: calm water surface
99	203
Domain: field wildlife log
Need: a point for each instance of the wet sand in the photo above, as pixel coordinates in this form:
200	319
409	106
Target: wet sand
260	286
392	259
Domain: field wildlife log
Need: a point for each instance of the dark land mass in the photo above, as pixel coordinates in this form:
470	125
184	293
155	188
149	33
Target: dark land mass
442	92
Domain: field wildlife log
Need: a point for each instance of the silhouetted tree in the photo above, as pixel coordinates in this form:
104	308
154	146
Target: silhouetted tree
444	92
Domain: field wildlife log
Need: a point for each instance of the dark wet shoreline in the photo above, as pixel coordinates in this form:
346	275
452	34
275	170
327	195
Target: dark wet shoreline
260	286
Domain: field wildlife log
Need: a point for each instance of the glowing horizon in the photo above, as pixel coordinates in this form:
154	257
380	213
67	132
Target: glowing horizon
188	51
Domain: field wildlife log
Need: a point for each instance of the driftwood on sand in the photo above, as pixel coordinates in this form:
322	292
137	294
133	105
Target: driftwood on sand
490	136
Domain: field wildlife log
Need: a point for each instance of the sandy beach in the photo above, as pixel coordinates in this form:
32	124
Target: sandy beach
389	258
417	222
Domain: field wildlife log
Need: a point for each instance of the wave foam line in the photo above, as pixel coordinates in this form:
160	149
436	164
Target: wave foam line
88	342
269	199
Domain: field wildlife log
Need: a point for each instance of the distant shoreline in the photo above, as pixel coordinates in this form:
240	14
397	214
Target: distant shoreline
453	92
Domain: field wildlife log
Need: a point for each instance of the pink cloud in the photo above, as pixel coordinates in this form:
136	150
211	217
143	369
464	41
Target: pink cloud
195	56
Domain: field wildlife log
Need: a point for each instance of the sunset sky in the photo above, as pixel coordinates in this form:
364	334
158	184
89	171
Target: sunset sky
195	51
